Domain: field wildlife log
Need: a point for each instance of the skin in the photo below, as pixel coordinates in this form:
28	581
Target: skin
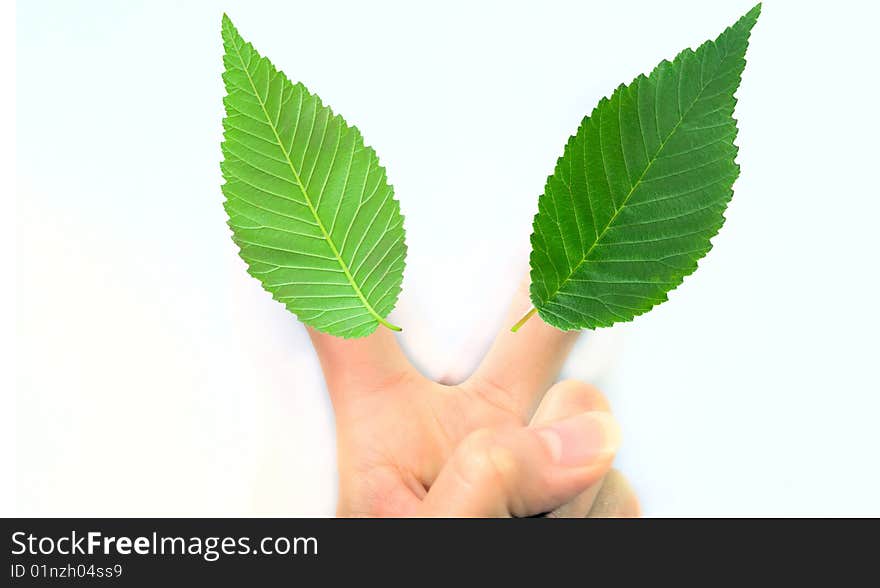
506	442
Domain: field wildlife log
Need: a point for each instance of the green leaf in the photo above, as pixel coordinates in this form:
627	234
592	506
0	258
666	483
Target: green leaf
640	189
309	205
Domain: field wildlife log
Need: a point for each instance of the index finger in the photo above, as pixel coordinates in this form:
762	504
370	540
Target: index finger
354	367
521	366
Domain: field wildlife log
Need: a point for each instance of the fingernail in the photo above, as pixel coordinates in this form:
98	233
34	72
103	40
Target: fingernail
583	439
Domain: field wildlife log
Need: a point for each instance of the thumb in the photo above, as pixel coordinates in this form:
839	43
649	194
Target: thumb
523	471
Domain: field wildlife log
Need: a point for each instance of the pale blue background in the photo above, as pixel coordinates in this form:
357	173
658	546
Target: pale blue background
156	378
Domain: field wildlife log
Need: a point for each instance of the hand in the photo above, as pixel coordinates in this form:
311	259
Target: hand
499	444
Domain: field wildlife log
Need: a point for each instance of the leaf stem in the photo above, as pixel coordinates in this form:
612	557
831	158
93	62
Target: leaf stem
387	324
523	320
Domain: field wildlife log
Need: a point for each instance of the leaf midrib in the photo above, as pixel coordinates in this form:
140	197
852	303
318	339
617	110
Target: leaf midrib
632	190
305	194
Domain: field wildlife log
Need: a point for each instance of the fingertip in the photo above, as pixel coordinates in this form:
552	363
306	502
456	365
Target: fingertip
581	396
584	440
568	398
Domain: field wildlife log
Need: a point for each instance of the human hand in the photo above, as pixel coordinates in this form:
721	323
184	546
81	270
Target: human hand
506	442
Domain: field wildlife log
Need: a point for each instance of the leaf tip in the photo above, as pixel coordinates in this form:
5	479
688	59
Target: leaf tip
226	26
751	17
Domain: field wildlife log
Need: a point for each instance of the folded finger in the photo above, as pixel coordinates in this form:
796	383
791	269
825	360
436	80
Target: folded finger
615	499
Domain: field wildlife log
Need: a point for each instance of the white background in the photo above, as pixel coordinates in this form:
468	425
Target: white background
154	377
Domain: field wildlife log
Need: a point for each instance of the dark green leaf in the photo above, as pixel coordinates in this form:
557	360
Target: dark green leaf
640	189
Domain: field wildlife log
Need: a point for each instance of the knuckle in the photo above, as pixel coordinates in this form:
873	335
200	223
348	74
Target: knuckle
495	395
481	459
504	462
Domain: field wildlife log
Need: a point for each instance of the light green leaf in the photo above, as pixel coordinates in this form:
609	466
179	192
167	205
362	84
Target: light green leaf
309	205
640	189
